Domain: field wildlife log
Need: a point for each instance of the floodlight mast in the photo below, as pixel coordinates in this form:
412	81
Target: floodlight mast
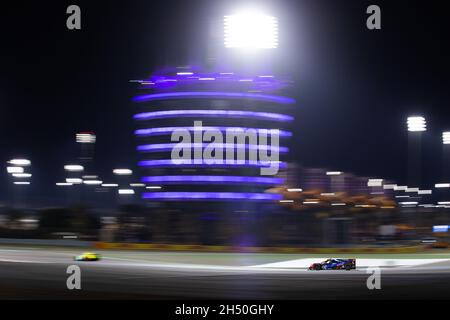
416	126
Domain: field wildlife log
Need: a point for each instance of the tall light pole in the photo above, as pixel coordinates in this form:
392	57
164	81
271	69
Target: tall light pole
416	126
123	181
446	155
19	178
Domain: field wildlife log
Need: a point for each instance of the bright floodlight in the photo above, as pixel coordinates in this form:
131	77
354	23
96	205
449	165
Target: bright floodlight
446	137
334	173
20	162
110	185
63	184
74	180
73	167
122	172
417	124
153	187
93	182
137	185
85	137
251	30
21	175
126	191
14	169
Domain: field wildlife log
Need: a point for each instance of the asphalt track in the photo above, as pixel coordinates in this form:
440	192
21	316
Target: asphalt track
31	273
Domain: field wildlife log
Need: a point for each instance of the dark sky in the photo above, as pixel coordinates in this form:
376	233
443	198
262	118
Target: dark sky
354	87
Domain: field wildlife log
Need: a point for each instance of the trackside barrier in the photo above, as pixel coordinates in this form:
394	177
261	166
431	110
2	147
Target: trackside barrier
203	248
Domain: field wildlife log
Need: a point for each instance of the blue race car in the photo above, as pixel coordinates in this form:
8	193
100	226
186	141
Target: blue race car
334	264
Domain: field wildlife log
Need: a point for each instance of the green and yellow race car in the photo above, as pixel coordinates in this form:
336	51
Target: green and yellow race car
87	256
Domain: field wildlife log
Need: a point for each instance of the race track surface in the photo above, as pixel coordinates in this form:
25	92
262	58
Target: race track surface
31	273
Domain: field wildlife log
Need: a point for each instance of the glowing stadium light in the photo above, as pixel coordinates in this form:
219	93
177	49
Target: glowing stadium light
213	94
389	186
153	187
425	192
334	173
126	191
412	190
137	185
73	167
375	182
400	188
85	137
294	190
14	169
211	196
212	179
74	180
90	177
409	203
21	175
63	184
444	202
251	30
338	204
416	124
286	201
19	162
93	182
110	185
442	185
123	172
446	137
22	182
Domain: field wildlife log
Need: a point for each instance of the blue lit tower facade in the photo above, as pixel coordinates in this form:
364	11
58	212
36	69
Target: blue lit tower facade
209	193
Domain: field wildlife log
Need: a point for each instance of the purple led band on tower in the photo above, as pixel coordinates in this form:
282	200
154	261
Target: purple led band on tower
211	196
212	113
213	94
212	179
169	130
157	147
187	163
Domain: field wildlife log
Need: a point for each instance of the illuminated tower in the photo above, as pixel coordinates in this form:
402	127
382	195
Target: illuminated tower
221	101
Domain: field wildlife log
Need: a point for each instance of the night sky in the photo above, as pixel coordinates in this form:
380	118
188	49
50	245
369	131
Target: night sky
354	87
